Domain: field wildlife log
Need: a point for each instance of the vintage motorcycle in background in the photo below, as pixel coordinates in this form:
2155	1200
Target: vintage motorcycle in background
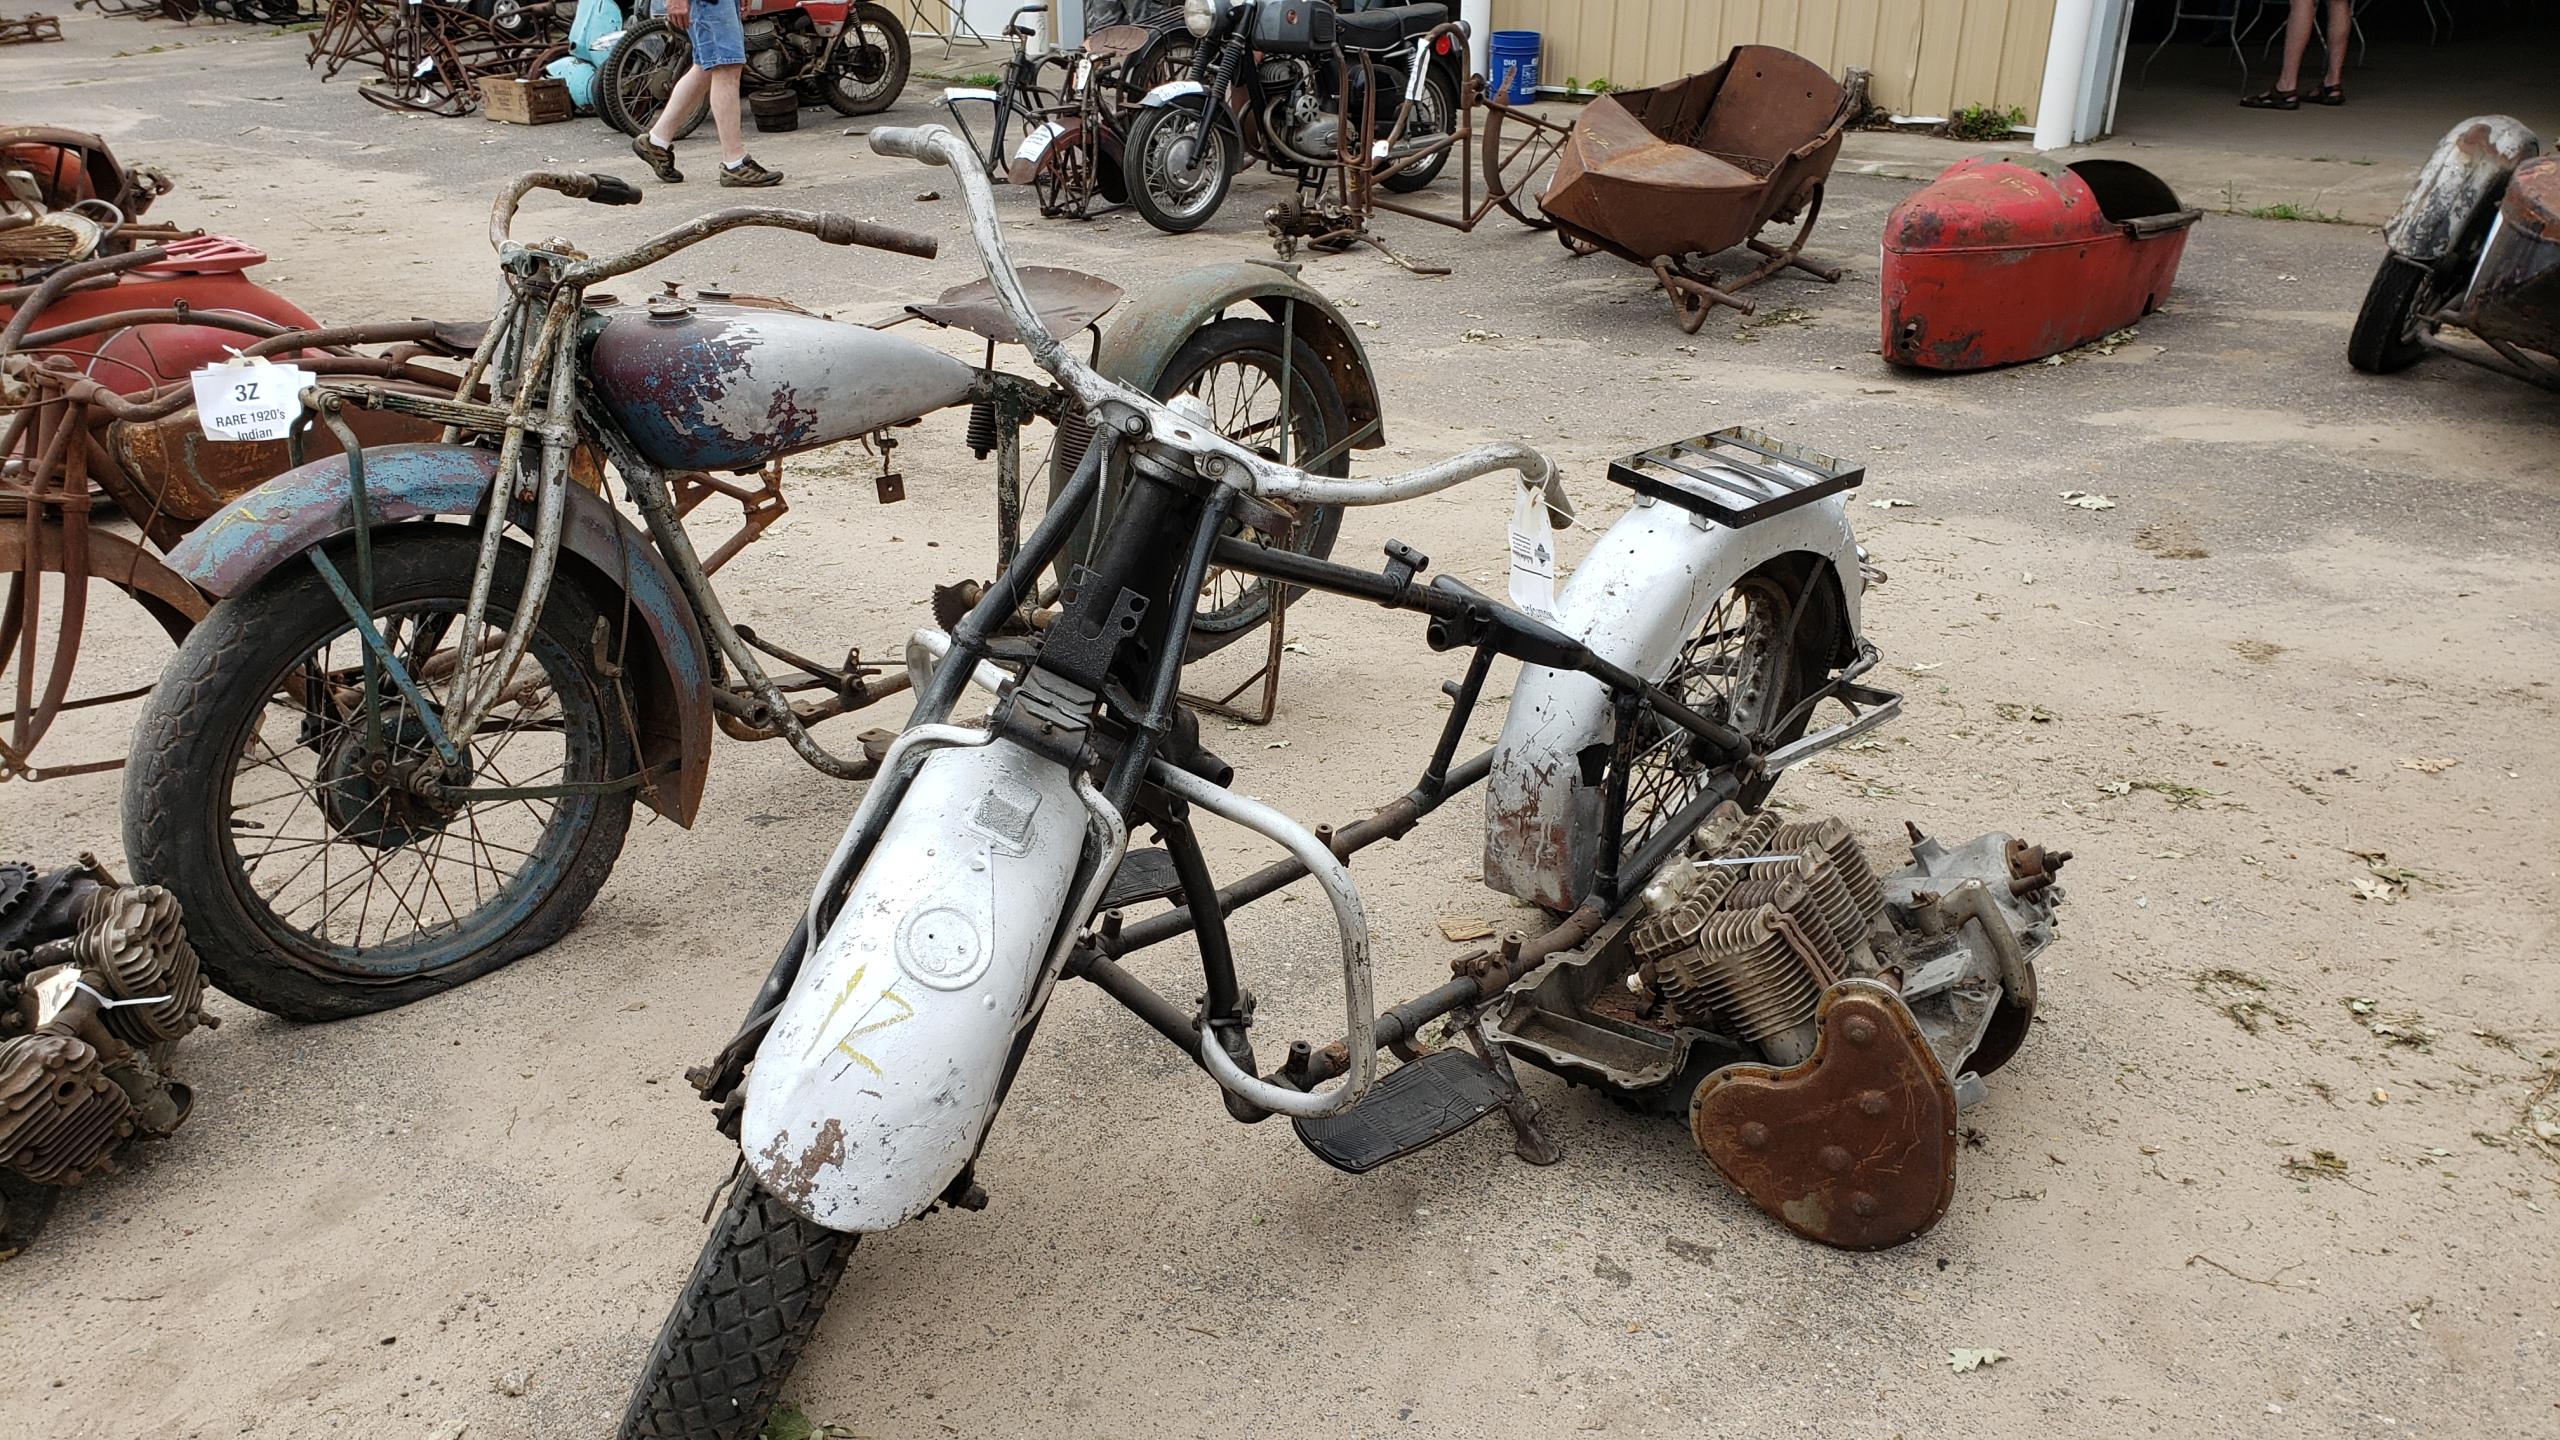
1070	124
2476	248
1819	1024
398	754
1273	80
853	57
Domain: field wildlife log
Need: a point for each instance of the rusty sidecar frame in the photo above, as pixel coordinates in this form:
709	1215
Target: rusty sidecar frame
1670	176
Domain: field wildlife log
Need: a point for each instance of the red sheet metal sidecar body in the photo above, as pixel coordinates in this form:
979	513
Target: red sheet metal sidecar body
2008	258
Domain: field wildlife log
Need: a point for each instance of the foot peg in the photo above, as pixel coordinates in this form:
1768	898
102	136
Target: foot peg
1410	1107
1143	875
1856	1147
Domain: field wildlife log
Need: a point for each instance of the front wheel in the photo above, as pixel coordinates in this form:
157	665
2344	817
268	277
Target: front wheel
2387	325
868	68
1179	163
746	1312
327	867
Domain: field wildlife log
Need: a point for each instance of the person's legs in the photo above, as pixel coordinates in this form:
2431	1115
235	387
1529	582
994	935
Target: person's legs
2297	38
724	112
2342	24
688	92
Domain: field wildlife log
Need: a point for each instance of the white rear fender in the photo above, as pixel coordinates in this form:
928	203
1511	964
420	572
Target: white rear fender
1635	600
884	1069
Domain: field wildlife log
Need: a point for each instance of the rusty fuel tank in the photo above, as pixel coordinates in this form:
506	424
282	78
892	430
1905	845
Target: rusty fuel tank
710	385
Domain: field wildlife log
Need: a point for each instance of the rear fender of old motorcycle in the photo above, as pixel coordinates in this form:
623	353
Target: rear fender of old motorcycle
880	1076
1153	325
2458	187
1635	600
668	666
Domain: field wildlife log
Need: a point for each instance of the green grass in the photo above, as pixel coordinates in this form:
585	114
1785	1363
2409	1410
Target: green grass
1983	122
985	81
2287	210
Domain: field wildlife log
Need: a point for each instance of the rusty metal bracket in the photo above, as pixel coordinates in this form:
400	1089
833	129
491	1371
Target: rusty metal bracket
1856	1147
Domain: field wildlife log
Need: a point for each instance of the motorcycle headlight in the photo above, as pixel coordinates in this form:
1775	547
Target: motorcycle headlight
1201	16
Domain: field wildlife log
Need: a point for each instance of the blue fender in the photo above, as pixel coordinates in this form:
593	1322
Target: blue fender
305	507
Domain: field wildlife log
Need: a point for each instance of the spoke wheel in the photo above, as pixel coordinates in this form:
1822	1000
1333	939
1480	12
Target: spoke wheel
1749	662
325	866
638	76
868	70
1431	117
1180	162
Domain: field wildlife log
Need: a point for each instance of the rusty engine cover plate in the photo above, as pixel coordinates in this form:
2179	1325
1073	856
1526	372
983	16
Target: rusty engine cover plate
1856	1147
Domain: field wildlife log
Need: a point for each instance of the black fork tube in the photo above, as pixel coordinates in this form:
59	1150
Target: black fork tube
969	641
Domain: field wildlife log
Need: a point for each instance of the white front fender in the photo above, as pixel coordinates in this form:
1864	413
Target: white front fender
1170	91
1635	600
884	1069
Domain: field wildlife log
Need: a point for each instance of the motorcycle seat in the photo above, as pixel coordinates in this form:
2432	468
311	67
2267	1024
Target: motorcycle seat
1385	29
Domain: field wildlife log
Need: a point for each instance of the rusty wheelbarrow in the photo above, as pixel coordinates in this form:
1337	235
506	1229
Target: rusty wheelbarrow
1670	176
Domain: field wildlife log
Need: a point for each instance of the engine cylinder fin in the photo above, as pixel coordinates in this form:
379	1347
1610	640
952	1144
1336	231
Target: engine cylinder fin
1833	836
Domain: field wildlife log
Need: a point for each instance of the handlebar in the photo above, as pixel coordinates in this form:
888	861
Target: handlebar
828	226
1148	422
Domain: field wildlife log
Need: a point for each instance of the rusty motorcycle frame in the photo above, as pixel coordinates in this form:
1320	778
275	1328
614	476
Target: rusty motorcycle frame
472	708
1820	1025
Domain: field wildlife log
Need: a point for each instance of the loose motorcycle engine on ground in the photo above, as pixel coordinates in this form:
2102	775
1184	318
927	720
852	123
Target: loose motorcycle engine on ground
1819	1024
97	984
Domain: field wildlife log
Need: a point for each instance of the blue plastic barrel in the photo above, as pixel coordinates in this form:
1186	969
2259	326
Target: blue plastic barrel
1513	59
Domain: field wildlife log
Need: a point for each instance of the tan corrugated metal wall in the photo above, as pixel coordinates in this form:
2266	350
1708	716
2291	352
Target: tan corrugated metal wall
1929	56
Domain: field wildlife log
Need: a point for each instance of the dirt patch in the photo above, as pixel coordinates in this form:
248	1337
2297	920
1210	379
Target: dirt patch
2170	540
2257	652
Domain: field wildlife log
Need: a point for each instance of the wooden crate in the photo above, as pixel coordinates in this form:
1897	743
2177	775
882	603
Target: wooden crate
525	102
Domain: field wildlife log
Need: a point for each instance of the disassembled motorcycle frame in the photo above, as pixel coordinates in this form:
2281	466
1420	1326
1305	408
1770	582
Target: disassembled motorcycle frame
1070	150
477	715
2475	248
1820	1024
97	984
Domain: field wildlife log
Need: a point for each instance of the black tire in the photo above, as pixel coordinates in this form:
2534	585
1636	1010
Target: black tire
868	70
1168	204
746	1313
1320	420
241	683
643	65
1443	105
1776	660
2386	334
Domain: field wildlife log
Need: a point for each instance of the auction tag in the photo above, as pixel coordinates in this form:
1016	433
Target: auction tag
1533	554
248	399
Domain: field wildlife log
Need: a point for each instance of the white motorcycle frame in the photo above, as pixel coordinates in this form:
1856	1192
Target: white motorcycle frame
877	1080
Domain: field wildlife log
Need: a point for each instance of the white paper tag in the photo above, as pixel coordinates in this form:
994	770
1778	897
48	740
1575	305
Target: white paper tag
248	399
1533	554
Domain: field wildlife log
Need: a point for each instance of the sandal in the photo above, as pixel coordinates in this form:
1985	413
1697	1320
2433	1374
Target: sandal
2328	95
2273	100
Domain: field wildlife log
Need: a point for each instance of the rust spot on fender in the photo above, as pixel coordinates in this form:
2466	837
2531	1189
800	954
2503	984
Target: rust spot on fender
792	1179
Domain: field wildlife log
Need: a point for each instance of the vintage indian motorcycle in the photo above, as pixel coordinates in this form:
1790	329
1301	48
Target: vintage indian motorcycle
404	747
1819	1024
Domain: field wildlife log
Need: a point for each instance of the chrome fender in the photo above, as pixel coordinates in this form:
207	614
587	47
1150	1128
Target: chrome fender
884	1069
2458	186
1635	600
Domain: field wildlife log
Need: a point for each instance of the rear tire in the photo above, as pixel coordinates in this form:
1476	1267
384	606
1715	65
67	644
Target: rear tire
868	71
643	66
2386	333
747	1311
1442	105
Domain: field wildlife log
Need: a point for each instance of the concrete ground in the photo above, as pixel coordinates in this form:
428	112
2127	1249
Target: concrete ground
2279	1158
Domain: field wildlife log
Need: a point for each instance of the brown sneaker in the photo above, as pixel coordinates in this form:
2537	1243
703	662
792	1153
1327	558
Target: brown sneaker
660	158
748	175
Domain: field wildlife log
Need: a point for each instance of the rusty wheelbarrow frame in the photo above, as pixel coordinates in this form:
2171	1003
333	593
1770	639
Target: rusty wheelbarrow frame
65	438
1501	157
28	29
1669	176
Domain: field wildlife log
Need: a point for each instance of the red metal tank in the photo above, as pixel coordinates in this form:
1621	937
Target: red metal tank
2008	258
206	272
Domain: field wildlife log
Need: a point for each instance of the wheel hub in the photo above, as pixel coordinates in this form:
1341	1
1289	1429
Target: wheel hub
392	797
